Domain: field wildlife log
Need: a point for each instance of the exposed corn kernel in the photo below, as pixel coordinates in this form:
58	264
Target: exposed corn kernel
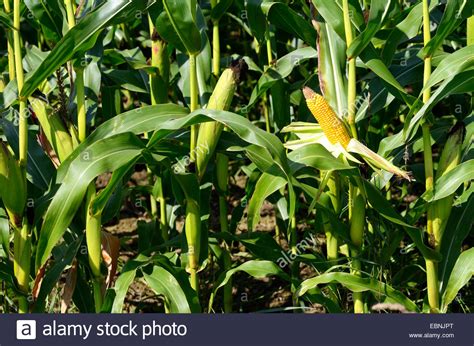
332	126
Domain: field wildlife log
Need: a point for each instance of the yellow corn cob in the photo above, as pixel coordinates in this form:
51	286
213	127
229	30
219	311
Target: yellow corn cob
336	133
332	126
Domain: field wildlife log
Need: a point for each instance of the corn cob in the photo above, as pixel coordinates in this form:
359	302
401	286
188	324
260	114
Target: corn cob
332	126
220	99
336	132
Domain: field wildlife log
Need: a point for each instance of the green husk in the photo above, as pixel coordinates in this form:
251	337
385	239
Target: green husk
450	158
54	130
193	237
221	99
12	185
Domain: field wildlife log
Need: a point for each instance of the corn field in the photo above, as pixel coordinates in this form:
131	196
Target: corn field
218	156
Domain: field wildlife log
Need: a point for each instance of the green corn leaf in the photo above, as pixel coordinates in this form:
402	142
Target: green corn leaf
50	15
220	9
383	207
79	39
179	26
266	185
452	65
106	155
173	285
461	223
455	13
460	83
316	156
55	272
462	273
378	15
6	20
256	269
282	69
40	170
358	284
283	17
125	279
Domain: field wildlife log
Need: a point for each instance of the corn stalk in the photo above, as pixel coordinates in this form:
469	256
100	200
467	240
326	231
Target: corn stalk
431	266
11	54
194	104
159	81
22	248
92	221
222	167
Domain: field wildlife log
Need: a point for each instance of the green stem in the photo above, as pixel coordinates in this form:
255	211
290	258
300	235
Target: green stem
357	296
266	110
293	236
193	238
23	131
222	167
159	81
23	305
98	300
269	51
223	213
71	17
357	220
470	31
163	216
334	192
266	113
22	242
81	105
216	49
228	299
22	256
431	267
94	246
11	53
194	279
351	91
194	90
356	200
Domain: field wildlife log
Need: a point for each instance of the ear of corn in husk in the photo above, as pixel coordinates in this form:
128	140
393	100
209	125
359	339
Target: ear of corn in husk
357	218
450	158
337	134
220	99
53	128
12	185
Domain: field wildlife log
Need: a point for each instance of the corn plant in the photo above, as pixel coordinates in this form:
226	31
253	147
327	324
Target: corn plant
176	156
